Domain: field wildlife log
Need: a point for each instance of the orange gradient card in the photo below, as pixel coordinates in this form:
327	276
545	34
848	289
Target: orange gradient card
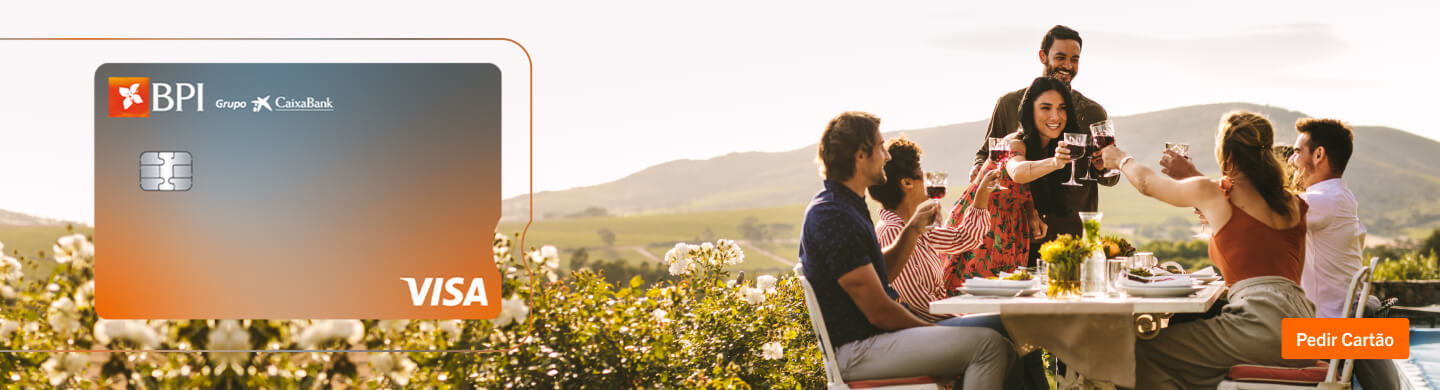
296	191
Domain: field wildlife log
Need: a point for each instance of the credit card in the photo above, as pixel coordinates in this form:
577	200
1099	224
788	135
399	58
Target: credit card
296	190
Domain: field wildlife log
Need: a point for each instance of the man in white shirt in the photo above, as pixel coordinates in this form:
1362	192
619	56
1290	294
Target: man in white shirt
1334	235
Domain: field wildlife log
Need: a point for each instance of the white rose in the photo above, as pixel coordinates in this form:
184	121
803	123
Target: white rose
7	327
511	310
753	295
772	350
550	257
765	282
659	315
732	253
62	366
451	328
134	331
10	269
229	335
85	295
74	248
397	366
323	331
63	316
393	326
679	259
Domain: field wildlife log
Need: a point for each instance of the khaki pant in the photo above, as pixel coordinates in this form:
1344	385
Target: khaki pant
1197	355
979	356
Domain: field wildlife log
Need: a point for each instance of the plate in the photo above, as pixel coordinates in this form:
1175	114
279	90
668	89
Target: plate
997	291
1151	292
1204	279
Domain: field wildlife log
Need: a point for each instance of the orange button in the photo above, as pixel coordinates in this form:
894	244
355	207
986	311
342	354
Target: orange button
1345	338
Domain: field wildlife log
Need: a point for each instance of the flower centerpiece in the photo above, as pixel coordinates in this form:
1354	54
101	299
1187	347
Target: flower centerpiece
1064	256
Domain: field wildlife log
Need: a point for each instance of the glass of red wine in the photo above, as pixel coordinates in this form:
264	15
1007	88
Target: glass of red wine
935	189
1104	133
1076	143
999	152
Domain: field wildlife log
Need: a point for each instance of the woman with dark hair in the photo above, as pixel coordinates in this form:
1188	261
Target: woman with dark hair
1041	156
1259	245
1006	244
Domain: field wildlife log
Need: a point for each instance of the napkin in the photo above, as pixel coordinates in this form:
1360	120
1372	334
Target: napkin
998	283
1159	281
1207	271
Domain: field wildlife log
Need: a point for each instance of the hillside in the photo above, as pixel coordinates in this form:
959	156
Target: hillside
1393	172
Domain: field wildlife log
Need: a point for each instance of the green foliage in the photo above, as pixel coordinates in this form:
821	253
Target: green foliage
1193	254
1409	267
698	328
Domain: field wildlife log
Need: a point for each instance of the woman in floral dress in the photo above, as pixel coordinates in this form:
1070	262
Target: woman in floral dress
1007	244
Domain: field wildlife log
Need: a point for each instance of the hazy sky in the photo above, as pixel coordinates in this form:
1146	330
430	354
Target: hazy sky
619	88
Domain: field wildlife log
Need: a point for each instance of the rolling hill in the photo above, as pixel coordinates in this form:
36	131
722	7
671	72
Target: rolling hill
1393	173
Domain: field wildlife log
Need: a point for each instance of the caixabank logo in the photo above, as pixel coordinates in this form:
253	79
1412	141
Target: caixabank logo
137	97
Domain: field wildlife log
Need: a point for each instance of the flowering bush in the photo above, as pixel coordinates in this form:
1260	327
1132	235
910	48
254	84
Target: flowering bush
705	329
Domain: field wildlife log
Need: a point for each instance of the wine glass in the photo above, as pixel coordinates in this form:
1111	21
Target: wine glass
1104	133
1076	143
999	151
935	189
1183	149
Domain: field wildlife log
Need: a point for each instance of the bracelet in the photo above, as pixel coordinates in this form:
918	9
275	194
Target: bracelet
1123	161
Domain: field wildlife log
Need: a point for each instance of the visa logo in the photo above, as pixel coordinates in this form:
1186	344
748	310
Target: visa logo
432	288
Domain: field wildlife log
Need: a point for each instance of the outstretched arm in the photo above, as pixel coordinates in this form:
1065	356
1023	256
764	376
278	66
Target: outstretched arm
1193	192
1025	171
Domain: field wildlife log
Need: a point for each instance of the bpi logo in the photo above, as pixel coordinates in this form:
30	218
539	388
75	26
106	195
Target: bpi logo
136	97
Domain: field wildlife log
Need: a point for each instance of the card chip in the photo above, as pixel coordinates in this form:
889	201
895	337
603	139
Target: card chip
165	171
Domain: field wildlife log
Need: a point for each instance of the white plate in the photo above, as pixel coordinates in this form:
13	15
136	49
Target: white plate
1162	291
1204	279
998	292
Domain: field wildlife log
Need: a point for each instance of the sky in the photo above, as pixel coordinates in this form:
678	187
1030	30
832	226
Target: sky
623	86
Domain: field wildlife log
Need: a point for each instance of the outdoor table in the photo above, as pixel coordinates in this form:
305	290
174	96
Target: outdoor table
1093	335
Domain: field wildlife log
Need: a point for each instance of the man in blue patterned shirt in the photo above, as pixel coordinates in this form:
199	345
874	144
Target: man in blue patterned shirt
874	336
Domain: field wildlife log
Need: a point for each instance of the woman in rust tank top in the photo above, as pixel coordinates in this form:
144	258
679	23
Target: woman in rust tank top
1259	246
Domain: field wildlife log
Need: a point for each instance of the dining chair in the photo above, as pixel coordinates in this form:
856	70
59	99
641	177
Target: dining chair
832	368
1334	374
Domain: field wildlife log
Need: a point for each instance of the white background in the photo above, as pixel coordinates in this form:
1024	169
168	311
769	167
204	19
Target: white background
48	163
620	86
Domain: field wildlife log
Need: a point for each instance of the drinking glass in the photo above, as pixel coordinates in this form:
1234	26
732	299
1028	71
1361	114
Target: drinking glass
1076	143
1183	149
999	152
935	188
1043	271
1115	270
1104	133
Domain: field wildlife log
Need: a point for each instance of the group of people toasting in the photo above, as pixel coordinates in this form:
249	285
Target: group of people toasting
1045	152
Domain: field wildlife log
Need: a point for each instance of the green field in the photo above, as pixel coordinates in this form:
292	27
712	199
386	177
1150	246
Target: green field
656	234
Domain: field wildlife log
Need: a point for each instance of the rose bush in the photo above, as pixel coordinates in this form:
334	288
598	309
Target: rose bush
705	329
